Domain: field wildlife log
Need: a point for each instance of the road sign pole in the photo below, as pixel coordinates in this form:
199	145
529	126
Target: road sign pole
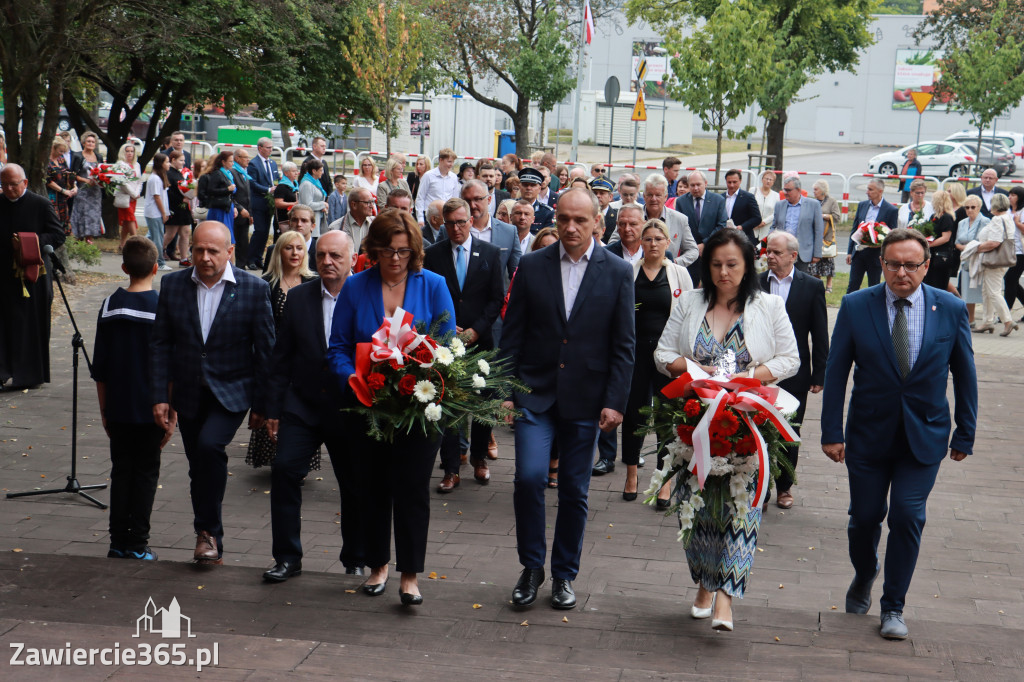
919	117
636	131
611	98
611	135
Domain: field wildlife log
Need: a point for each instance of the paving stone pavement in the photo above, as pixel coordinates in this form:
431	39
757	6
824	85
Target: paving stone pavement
965	607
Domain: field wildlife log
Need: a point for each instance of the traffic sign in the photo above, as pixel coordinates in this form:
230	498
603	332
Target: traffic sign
921	100
639	109
641	72
611	91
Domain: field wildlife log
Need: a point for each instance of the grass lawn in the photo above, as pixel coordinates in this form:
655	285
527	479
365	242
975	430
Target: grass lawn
839	284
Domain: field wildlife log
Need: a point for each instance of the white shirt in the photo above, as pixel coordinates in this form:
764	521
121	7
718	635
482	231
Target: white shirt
632	258
904	215
208	298
483	235
467	245
572	274
986	196
780	287
524	244
155	188
327	302
730	201
434	186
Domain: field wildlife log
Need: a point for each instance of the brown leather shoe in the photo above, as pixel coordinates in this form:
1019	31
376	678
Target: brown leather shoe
481	473
448	483
206	547
785	500
492	448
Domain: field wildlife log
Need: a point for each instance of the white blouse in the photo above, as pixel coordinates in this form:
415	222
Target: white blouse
767	333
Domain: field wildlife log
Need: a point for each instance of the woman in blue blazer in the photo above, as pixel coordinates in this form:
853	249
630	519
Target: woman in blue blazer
399	481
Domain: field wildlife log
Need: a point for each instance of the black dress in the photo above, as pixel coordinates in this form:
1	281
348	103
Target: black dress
942	256
285	192
181	213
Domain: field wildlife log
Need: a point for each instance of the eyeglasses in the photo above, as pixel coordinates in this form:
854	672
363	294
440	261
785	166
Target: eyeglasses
909	267
653	240
456	223
971	208
599	170
403	254
362	201
474	200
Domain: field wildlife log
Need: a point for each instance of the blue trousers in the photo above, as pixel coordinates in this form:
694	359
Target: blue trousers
535	434
261	231
891	484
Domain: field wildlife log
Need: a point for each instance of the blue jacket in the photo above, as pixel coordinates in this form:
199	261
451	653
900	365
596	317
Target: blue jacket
880	398
235	357
359	312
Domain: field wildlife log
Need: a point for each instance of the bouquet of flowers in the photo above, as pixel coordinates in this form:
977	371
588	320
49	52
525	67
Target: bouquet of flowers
761	263
187	186
110	176
406	379
725	443
871	235
917	222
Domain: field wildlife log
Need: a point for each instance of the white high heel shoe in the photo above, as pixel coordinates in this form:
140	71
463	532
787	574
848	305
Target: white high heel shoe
700	613
722	625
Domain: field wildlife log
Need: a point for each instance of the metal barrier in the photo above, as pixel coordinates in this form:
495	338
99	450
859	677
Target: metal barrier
942	185
844	203
206	146
688	169
344	153
849	183
231	145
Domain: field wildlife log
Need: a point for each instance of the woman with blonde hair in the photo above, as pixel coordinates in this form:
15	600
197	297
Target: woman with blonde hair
990	237
393	180
766	198
504	211
367	177
60	181
942	246
127	193
413	179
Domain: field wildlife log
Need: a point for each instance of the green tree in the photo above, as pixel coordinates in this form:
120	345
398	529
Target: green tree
715	70
899	7
983	74
811	38
525	45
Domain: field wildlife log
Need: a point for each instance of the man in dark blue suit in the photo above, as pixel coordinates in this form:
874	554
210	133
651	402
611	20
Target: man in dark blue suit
905	340
569	335
988	189
740	205
861	259
302	412
705	213
473	271
211	345
263	175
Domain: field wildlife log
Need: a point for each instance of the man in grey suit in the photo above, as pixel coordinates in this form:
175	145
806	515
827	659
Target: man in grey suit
683	248
491	230
801	217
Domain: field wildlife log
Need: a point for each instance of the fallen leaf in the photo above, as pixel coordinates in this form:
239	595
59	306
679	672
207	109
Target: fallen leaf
565	619
289	604
782	587
611	525
266	492
199	587
936	596
525	624
42	475
608	537
17	549
444	577
432	575
478	606
1002	612
759	549
319	478
834	608
777	639
350	591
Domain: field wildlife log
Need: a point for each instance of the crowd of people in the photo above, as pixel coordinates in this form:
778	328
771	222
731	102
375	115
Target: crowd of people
598	293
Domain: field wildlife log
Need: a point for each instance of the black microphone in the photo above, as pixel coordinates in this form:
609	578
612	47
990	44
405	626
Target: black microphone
54	261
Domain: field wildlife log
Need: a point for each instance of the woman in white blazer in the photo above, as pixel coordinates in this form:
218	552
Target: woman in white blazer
730	312
658	284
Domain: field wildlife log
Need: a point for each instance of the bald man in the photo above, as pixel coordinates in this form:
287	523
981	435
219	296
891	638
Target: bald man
212	340
24	303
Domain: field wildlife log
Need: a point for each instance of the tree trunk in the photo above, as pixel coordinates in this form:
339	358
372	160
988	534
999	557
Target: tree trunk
718	154
776	139
521	124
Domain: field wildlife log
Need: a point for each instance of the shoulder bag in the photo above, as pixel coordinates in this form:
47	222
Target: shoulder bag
1004	255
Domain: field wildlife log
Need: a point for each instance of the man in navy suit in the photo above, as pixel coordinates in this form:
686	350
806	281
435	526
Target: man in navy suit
705	212
862	259
211	345
178	144
805	305
987	190
473	271
263	175
569	335
905	340
302	412
740	205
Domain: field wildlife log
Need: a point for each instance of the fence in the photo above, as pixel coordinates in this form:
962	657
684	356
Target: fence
849	184
335	153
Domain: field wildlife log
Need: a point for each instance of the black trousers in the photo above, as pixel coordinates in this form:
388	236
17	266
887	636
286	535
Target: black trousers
258	243
864	262
1012	290
134	472
452	446
784	482
296	442
205	438
397	489
647	381
241	231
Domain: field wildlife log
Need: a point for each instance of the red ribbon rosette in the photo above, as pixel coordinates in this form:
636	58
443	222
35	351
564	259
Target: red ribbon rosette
744	395
394	341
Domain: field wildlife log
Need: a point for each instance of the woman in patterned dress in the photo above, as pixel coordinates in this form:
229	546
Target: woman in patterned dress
730	312
60	182
87	210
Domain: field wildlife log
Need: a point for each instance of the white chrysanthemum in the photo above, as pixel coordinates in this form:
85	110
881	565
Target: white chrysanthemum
479	381
697	502
684	526
458	348
432	412
424	391
485	369
444	356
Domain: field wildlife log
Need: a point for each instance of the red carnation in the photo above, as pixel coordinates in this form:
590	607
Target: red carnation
406	384
685	433
375	381
692	408
424	356
760	417
725	423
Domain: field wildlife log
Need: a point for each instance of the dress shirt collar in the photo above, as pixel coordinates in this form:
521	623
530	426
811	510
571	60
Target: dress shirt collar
780	280
468	245
325	294
227	276
564	255
916	299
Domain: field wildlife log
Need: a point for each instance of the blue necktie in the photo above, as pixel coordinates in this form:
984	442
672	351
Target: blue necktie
460	265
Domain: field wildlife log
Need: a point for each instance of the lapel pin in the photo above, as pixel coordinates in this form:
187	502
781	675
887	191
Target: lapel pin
476	254
933	309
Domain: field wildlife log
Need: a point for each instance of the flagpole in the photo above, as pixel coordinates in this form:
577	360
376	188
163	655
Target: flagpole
579	83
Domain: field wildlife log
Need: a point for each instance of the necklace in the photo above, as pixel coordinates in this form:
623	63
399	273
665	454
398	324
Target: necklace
392	286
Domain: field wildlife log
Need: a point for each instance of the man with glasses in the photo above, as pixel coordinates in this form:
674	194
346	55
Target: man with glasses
263	175
801	217
861	259
178	144
356	222
597	170
684	247
472	270
911	338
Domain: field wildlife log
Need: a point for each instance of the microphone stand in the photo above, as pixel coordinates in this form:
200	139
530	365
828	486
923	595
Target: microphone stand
73	486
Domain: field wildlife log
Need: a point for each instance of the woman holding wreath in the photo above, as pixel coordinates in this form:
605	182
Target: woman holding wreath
394	243
730	313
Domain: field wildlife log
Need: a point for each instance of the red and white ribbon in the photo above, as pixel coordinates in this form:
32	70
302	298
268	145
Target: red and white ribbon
396	339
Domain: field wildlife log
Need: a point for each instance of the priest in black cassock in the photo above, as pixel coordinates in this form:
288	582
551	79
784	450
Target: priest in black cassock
24	321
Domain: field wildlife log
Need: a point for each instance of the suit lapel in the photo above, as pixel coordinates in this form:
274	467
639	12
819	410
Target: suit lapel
593	273
880	319
226	301
475	263
193	309
555	275
316	310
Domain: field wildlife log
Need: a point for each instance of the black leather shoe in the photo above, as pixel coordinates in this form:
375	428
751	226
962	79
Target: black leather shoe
628	497
562	594
663	504
283	570
603	466
374	590
354	570
858	597
525	592
410	599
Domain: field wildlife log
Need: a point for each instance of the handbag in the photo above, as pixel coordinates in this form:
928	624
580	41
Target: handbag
262	450
1003	256
28	259
199	213
829	247
122	199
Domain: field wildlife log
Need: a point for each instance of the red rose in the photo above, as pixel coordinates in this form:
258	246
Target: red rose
685	433
692	407
406	384
725	423
375	381
720	447
424	356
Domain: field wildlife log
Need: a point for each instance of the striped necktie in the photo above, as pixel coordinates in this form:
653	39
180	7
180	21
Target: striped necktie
900	337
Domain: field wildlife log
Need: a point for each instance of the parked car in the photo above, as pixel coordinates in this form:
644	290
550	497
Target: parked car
1013	140
938	158
997	156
